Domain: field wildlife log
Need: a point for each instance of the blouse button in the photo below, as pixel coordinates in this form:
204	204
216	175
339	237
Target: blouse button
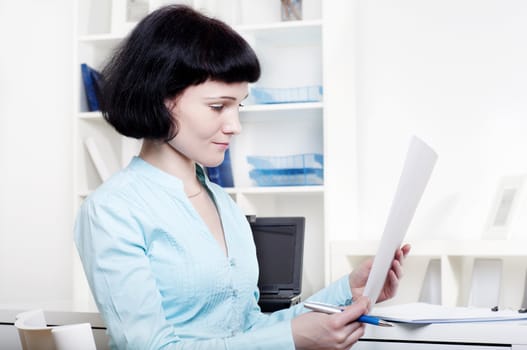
232	262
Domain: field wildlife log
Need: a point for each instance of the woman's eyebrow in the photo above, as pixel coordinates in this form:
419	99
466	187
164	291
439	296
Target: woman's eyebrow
220	98
225	98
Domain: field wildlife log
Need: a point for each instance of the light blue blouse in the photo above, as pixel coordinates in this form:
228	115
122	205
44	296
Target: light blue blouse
160	279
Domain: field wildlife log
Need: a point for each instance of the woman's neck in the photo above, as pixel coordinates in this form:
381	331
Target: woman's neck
161	155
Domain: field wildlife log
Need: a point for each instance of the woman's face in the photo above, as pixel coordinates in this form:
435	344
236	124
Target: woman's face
207	116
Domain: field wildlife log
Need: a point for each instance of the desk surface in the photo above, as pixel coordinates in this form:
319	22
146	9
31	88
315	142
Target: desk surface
55	314
504	332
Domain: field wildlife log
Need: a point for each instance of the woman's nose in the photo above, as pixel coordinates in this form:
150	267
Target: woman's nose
232	124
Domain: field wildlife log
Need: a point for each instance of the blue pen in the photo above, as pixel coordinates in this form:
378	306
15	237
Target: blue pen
332	309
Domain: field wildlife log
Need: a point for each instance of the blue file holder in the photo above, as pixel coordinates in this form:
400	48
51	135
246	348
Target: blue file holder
294	170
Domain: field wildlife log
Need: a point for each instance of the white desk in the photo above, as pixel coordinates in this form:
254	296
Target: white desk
473	336
470	336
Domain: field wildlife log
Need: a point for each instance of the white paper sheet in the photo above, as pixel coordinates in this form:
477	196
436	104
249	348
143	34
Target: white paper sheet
418	166
424	313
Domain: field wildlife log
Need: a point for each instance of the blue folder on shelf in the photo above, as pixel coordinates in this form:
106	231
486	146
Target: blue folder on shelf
92	84
222	174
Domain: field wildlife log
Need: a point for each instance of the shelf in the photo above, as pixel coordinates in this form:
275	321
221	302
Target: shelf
259	190
279	26
281	112
454	262
276	190
104	40
90	115
276	28
243	110
487	248
281	107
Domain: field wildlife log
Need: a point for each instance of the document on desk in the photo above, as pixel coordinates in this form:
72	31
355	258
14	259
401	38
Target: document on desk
417	169
424	313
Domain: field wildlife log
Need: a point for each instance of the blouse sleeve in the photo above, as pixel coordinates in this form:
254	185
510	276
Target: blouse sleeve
338	293
112	251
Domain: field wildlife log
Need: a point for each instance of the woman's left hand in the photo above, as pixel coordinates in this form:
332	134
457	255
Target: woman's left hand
359	276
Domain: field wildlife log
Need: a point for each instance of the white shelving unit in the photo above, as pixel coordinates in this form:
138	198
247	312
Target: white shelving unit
291	56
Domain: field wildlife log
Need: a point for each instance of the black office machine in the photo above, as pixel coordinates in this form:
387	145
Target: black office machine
280	251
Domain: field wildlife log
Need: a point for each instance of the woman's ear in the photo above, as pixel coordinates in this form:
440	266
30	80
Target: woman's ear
170	104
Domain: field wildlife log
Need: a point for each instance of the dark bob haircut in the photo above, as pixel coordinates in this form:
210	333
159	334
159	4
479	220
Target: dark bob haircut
171	49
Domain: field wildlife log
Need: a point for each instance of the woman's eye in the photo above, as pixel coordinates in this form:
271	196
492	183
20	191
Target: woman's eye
241	105
217	107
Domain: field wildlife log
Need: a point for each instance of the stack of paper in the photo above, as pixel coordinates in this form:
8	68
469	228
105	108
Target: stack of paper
430	313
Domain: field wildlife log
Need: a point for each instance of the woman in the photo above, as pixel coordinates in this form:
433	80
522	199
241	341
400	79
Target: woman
168	255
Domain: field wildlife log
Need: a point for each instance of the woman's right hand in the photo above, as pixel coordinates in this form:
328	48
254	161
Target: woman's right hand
315	330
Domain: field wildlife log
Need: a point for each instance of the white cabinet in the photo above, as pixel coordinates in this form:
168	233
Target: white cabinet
291	56
454	276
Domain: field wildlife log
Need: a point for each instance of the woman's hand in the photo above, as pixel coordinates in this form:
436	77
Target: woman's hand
315	330
359	276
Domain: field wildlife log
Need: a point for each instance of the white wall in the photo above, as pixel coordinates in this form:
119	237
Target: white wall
453	72
35	150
